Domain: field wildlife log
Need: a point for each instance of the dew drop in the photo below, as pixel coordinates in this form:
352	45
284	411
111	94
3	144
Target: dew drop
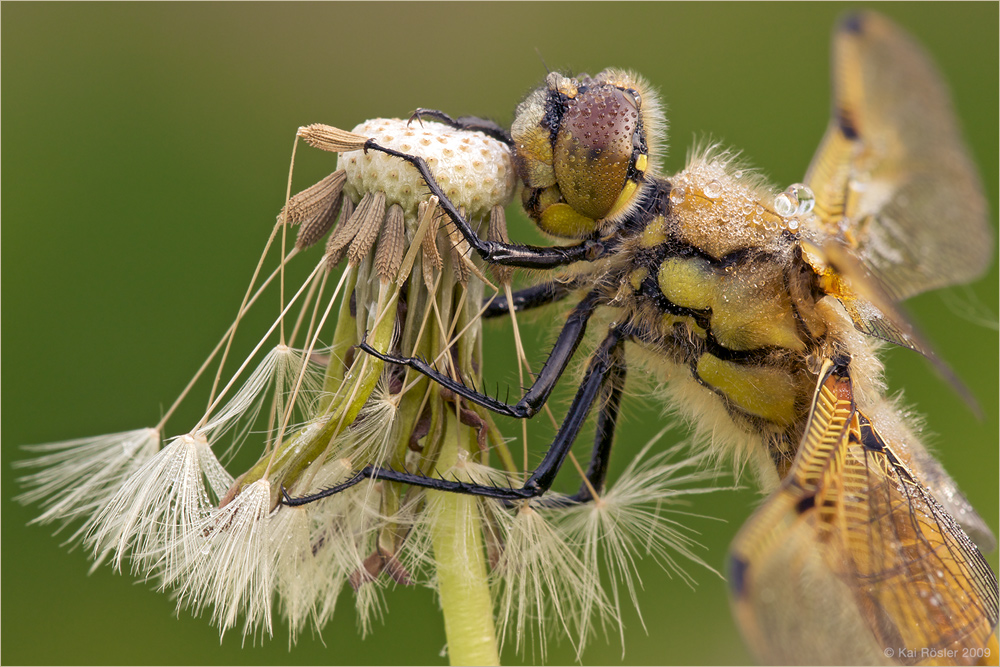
738	174
793	225
713	189
805	197
785	205
677	195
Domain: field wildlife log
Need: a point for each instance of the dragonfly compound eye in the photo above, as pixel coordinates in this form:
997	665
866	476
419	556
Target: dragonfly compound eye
593	149
581	148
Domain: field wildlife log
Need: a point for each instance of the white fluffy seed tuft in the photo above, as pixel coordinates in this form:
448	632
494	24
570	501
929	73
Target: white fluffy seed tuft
295	573
230	566
153	513
78	478
272	382
542	579
639	517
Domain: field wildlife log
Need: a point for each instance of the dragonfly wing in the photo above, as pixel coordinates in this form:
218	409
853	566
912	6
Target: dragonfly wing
852	560
944	489
792	608
875	313
892	177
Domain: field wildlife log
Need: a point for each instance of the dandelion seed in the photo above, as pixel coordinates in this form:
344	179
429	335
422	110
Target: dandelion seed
294	566
391	245
347	540
331	139
369	439
274	377
316	208
360	530
231	568
153	513
630	520
335	555
542	579
77	478
343	532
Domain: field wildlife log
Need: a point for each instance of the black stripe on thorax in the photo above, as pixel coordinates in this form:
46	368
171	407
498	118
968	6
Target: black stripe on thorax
674	247
650	289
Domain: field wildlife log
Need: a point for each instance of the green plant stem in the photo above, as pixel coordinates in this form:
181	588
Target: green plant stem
461	566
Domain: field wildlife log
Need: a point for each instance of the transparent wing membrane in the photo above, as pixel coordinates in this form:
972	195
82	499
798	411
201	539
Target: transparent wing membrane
892	177
852	545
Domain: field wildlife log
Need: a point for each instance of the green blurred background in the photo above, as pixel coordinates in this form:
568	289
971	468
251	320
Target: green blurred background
145	156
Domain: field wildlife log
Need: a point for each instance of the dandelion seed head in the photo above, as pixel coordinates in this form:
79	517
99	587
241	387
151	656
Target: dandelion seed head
236	562
439	144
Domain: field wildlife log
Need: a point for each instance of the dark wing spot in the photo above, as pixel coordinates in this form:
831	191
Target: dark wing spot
846	124
737	575
853	23
869	438
805	504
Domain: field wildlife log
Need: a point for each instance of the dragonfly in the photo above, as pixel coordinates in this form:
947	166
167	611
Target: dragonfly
761	311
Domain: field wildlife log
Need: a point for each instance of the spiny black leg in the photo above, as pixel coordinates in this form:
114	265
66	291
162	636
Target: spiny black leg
495	252
487	127
604	435
413	479
528	298
532	401
602	364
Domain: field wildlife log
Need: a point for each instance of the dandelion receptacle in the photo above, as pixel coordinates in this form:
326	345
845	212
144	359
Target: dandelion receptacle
406	547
